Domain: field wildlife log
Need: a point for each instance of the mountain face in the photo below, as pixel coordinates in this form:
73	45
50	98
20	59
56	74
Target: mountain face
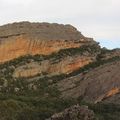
47	68
20	39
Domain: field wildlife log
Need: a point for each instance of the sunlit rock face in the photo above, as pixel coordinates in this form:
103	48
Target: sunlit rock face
19	39
66	66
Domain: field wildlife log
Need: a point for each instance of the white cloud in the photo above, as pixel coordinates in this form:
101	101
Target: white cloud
95	18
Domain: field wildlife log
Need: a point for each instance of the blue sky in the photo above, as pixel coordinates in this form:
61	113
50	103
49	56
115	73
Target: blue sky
111	44
99	19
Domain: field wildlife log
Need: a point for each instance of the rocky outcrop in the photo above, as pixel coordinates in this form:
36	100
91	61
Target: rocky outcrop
99	84
74	113
48	68
20	39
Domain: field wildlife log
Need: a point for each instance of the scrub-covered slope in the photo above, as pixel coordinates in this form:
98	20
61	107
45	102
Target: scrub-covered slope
46	68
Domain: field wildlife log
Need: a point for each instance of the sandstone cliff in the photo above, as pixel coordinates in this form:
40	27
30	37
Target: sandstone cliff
24	38
21	39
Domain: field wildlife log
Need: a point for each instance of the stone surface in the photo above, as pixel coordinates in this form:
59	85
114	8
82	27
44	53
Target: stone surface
65	66
74	113
97	85
25	38
19	39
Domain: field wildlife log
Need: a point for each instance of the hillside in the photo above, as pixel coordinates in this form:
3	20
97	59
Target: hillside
47	68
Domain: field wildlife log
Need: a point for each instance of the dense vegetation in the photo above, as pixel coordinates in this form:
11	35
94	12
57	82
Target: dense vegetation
36	108
14	107
105	111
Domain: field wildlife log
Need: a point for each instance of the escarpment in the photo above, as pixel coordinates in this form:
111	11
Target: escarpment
20	39
66	66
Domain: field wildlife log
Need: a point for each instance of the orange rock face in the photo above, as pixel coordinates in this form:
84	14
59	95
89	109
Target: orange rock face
77	63
113	92
21	39
15	47
66	66
19	46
